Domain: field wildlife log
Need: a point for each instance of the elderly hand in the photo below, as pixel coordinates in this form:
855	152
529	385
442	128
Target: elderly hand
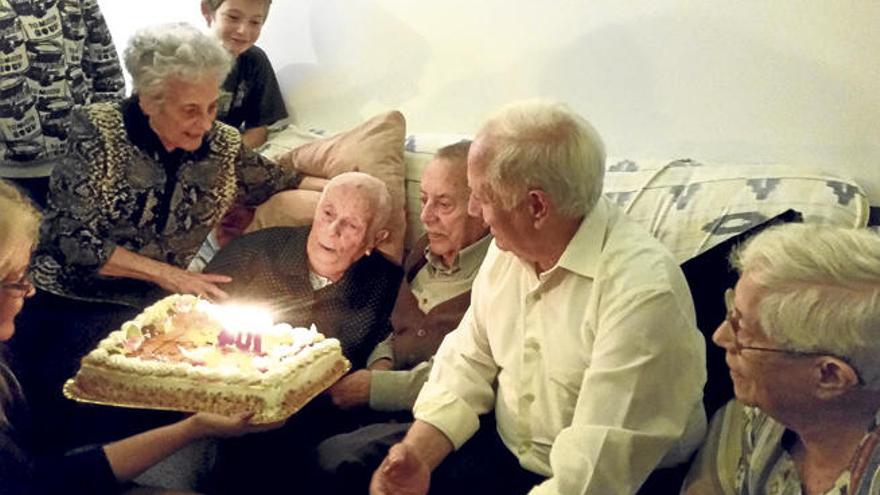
218	426
352	390
402	472
180	281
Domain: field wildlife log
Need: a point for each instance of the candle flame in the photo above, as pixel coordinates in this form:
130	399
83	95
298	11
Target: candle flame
242	318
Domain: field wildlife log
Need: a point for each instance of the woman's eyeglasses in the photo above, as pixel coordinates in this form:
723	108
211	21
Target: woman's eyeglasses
733	318
20	287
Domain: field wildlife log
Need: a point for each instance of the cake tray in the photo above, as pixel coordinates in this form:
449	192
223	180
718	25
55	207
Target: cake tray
75	393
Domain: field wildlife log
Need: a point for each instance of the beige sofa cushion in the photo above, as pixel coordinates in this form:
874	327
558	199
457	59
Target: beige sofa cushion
290	208
374	147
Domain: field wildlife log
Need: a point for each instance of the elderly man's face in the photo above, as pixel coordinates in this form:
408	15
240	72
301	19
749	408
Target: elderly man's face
513	228
339	234
186	113
772	381
237	23
444	196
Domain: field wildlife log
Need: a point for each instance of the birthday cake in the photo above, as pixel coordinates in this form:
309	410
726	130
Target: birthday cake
187	354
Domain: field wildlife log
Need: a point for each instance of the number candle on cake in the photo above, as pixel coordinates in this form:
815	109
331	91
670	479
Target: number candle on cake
187	354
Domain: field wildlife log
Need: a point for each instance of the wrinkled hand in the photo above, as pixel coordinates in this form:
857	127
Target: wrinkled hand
402	472
219	426
179	281
352	390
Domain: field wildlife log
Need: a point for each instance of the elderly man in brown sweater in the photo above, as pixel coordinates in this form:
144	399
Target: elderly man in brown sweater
433	297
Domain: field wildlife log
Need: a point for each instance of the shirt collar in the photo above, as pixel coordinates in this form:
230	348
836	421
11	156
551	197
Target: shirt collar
318	281
468	259
137	127
584	249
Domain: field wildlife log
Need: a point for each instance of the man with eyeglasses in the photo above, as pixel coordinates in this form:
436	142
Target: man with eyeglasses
802	340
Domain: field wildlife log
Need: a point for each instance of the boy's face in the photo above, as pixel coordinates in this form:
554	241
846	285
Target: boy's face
237	23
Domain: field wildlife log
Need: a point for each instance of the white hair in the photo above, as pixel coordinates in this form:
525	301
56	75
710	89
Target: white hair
822	288
373	189
18	225
544	145
158	53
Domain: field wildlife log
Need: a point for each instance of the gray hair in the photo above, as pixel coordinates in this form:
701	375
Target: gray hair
456	152
157	53
374	189
822	288
544	145
18	224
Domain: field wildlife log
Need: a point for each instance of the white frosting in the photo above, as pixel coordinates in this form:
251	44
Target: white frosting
293	359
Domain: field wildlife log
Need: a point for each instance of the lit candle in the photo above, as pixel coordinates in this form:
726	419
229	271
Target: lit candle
243	326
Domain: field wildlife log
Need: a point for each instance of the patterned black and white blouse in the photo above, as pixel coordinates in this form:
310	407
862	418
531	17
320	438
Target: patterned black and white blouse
120	187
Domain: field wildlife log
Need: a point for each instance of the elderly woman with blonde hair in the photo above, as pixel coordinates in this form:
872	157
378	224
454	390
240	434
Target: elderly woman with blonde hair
802	338
128	208
93	470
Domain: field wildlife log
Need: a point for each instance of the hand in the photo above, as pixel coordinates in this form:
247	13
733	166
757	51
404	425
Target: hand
180	281
402	472
382	364
352	390
219	426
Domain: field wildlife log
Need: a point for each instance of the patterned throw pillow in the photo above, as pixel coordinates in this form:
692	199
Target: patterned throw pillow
692	207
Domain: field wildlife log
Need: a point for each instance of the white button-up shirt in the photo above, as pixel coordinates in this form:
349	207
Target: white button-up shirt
595	368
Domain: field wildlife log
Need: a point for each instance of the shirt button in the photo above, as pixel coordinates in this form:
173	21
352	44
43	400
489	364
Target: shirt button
529	397
532	345
421	332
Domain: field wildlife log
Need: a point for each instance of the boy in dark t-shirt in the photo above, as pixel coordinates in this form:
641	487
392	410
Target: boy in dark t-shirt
250	98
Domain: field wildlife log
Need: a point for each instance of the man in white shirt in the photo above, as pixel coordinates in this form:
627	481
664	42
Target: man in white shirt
580	336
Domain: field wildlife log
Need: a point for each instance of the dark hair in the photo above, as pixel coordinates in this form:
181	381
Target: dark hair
213	5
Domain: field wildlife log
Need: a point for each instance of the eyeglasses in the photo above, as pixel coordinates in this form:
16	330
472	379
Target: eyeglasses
20	287
733	318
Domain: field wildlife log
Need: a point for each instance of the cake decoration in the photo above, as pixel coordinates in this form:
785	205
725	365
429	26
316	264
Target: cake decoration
188	354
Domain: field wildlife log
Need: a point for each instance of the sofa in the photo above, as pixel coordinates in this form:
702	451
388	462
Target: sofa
700	211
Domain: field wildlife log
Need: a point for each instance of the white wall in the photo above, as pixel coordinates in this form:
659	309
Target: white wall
752	81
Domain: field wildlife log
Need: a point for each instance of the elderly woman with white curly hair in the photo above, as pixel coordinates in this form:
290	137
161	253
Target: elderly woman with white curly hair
802	337
146	180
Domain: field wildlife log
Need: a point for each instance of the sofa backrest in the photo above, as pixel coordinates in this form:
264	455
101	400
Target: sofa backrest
690	206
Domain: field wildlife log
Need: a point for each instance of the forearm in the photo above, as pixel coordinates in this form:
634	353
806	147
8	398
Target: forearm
255	136
397	390
126	264
133	455
311	183
430	443
382	356
258	178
